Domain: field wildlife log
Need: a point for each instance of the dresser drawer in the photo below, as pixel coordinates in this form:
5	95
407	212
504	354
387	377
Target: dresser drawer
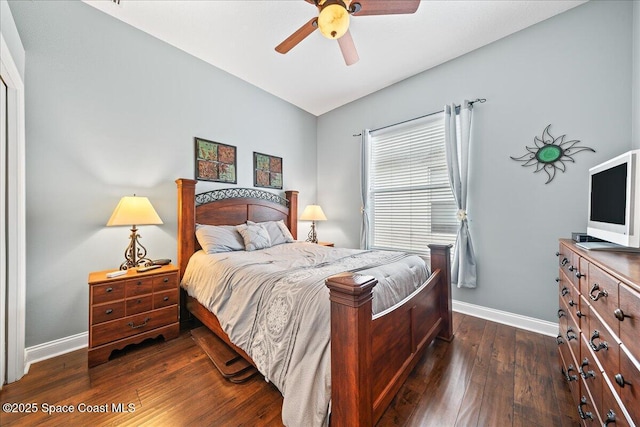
630	323
132	325
628	385
586	410
108	292
163	299
105	312
604	345
611	412
165	282
602	292
137	287
591	375
139	304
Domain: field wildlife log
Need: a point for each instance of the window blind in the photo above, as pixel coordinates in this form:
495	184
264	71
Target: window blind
411	203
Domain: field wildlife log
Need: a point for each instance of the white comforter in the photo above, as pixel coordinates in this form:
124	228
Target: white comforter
273	304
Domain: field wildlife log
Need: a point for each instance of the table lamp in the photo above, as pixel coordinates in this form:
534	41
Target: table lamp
313	213
132	211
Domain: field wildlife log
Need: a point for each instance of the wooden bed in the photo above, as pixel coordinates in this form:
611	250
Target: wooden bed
371	356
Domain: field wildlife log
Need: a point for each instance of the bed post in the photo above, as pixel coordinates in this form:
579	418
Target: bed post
351	347
186	221
441	259
292	219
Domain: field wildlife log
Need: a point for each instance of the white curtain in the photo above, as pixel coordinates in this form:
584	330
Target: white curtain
364	189
457	140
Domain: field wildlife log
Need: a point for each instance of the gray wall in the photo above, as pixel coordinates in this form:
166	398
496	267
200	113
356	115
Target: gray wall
636	75
572	71
111	111
11	37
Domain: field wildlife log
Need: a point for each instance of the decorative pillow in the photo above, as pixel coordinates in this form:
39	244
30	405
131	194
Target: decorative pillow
255	236
278	232
219	238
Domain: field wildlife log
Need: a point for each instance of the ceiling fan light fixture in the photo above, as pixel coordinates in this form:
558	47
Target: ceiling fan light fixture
333	20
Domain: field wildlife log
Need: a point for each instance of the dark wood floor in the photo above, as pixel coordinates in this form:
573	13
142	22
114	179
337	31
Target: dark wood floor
490	375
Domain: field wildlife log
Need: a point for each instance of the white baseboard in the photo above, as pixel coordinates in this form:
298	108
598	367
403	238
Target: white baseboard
516	320
51	349
54	348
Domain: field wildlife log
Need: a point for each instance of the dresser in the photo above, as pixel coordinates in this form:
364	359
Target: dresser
599	333
131	308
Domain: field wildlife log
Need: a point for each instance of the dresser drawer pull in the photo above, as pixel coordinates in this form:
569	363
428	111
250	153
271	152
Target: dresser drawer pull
557	280
141	325
561	313
166	280
620	380
571	268
588	374
564	291
600	293
611	418
580	315
139	283
559	340
565	261
558	254
109	290
165	299
620	314
600	346
568	376
579	275
571	337
572	303
584	415
108	311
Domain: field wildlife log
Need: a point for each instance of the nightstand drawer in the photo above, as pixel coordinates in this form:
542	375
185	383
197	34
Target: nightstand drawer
132	325
138	287
138	304
108	292
109	311
165	282
163	299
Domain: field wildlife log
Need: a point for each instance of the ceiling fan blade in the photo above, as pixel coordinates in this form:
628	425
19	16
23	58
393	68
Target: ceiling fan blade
300	34
348	48
384	7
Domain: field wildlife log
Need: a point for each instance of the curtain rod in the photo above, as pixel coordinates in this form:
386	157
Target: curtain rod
480	100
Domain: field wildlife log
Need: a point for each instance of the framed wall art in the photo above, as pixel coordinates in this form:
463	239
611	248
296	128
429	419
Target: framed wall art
215	161
267	171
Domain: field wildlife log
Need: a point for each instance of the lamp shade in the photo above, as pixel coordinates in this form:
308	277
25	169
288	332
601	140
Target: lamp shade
134	210
333	20
313	213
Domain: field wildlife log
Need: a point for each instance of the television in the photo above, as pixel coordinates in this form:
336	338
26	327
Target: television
614	203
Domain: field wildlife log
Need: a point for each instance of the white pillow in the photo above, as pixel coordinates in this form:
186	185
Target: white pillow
255	236
278	232
219	238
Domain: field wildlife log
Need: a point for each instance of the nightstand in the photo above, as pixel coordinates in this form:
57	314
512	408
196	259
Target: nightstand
131	308
326	244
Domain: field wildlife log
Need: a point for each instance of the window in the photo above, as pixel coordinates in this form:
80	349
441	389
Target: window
410	200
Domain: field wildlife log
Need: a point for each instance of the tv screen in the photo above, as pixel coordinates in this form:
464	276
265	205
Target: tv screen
608	195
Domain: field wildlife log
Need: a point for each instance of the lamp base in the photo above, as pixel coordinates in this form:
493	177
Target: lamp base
312	236
135	254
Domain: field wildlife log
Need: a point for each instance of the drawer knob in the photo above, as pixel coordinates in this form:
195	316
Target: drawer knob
561	313
165	299
166	280
584	415
600	346
564	291
557	280
571	268
611	418
620	314
573	336
559	340
565	261
141	325
587	374
620	380
580	315
557	253
139	283
600	294
569	377
572	303
579	275
109	289
108	311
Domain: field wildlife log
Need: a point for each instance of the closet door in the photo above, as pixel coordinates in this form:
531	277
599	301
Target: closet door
3	231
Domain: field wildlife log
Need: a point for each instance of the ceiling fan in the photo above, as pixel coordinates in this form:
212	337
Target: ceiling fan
333	21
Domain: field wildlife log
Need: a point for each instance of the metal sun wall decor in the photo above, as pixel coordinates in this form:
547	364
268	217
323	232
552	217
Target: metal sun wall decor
549	154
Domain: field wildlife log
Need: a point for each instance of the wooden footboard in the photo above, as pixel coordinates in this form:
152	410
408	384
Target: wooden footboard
372	356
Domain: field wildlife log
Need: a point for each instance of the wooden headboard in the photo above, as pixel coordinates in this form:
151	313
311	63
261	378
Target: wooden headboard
229	206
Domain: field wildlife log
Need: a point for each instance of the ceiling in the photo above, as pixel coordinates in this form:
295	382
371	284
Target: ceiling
239	36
